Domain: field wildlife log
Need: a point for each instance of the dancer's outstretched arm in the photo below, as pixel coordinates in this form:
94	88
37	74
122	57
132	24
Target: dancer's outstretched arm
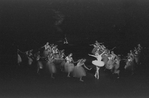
92	55
87	67
74	61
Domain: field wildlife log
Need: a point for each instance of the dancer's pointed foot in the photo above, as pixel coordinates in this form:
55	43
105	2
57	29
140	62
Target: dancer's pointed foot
68	75
81	80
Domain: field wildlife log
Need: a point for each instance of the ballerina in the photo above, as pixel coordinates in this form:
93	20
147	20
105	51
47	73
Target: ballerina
130	64
24	56
117	65
69	58
98	63
79	71
111	60
51	66
137	54
69	64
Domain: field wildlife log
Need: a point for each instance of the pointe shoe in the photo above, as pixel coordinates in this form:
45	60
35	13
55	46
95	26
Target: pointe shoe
81	80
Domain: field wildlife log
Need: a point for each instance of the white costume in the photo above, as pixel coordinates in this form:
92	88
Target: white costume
98	63
69	59
78	70
47	46
68	66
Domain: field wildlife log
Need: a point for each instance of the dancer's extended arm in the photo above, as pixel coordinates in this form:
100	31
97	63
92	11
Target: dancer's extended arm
92	55
87	67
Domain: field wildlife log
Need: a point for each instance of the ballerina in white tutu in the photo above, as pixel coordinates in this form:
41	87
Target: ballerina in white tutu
98	63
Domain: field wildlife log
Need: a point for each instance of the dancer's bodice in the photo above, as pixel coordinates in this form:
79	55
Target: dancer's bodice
99	58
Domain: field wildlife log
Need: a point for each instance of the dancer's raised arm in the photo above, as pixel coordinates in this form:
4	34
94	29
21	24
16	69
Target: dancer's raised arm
102	52
92	55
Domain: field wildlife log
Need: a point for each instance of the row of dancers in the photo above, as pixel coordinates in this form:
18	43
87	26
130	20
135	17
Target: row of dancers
50	56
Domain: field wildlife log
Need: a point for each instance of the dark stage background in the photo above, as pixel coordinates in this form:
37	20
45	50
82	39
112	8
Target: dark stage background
29	24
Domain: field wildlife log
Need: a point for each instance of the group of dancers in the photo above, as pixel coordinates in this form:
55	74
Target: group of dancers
111	61
50	58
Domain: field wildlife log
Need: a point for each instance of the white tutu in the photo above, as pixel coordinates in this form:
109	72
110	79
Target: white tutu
98	63
68	67
79	71
51	67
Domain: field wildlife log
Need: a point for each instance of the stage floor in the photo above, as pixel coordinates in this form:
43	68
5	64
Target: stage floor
18	83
